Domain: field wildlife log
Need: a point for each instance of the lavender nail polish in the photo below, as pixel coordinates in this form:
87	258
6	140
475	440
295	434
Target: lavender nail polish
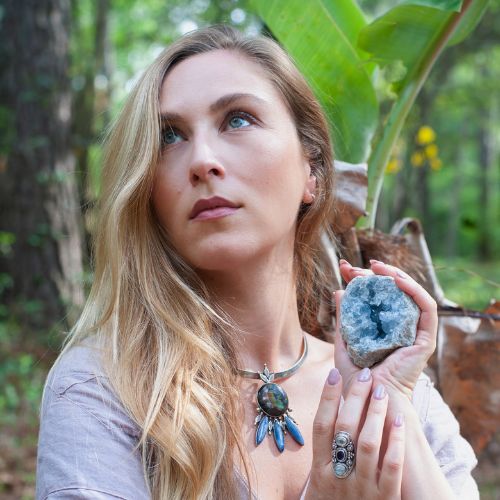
333	377
364	375
398	421
379	392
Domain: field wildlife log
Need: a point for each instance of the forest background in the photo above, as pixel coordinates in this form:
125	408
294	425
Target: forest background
66	69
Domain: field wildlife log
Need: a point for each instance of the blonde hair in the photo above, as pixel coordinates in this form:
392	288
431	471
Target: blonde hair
172	356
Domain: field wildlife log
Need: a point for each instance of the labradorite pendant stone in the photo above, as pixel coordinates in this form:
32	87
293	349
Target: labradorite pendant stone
273	413
273	400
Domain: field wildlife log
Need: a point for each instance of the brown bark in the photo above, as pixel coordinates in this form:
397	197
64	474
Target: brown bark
469	375
38	193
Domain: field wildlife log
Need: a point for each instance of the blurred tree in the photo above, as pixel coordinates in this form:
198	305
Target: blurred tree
38	191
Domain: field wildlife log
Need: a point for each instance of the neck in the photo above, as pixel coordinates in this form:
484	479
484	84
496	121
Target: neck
261	299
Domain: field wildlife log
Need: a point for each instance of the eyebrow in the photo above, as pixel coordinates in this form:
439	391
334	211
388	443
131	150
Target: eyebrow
222	102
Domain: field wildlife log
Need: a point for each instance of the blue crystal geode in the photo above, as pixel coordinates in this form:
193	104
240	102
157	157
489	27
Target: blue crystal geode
376	317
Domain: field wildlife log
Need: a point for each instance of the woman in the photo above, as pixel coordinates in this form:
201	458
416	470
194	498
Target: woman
217	183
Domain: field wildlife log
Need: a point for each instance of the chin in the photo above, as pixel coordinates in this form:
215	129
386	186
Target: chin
222	260
225	254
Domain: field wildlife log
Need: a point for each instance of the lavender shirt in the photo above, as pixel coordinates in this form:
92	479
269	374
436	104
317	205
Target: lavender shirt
87	441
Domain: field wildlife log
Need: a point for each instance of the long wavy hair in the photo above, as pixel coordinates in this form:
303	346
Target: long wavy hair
171	354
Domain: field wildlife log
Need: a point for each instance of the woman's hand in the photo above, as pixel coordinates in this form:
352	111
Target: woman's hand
366	479
401	369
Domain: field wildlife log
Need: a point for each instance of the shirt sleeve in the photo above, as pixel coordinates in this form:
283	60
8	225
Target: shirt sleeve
453	453
86	446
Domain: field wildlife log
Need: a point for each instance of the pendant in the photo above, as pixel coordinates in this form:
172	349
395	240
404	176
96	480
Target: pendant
273	413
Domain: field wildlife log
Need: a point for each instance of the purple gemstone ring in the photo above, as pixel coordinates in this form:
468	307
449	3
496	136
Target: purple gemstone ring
343	454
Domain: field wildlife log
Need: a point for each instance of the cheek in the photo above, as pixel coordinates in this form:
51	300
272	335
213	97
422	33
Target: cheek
165	197
280	172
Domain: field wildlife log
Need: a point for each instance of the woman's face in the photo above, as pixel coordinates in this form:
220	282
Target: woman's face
232	173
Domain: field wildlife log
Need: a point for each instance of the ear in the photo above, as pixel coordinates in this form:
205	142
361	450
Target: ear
309	190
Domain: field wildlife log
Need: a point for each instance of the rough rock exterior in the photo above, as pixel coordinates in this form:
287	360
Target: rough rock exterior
376	317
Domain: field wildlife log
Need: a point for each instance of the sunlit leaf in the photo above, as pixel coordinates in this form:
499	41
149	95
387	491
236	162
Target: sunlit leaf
406	33
469	21
450	5
320	38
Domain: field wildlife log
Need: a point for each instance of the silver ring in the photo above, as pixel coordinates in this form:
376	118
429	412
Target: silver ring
343	454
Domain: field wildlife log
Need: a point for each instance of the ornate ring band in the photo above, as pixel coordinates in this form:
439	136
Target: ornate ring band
343	454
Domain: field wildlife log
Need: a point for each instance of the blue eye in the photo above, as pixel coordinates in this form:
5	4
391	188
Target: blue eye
170	136
238	121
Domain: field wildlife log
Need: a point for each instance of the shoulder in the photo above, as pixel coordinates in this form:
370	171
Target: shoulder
79	364
87	440
78	383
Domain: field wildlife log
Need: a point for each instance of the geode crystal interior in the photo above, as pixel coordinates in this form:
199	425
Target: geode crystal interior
376	317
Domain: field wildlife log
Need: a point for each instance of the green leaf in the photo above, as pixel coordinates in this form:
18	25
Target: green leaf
348	17
405	33
409	32
415	35
469	21
450	5
321	40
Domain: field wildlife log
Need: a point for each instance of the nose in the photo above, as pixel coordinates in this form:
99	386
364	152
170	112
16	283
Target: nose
204	165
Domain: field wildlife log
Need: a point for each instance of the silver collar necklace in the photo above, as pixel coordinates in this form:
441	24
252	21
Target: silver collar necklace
273	414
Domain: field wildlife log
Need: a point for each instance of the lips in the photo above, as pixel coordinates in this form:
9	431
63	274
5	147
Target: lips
204	207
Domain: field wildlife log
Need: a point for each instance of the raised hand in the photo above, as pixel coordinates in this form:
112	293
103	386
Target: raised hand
401	369
365	480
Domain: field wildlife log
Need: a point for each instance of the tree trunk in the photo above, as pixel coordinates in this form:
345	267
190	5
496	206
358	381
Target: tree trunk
455	198
38	193
91	103
486	157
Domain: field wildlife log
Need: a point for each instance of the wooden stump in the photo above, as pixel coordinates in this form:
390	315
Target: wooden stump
469	376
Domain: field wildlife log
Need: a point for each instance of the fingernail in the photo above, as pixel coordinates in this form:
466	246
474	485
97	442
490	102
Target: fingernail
399	420
364	375
334	376
401	274
379	392
343	261
374	261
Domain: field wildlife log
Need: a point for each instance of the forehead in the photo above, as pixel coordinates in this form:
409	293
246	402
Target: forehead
203	78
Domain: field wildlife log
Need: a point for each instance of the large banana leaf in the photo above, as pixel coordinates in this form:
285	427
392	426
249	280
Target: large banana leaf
321	37
414	35
336	50
413	32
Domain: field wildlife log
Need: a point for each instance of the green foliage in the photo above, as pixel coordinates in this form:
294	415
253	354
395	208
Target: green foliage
470	284
330	51
7	240
322	40
21	376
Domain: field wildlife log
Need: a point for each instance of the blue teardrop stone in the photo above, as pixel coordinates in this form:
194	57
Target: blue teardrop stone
260	434
279	437
294	430
272	399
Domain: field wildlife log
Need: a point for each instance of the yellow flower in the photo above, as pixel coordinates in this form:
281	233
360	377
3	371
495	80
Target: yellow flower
431	151
435	163
394	166
417	159
425	135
